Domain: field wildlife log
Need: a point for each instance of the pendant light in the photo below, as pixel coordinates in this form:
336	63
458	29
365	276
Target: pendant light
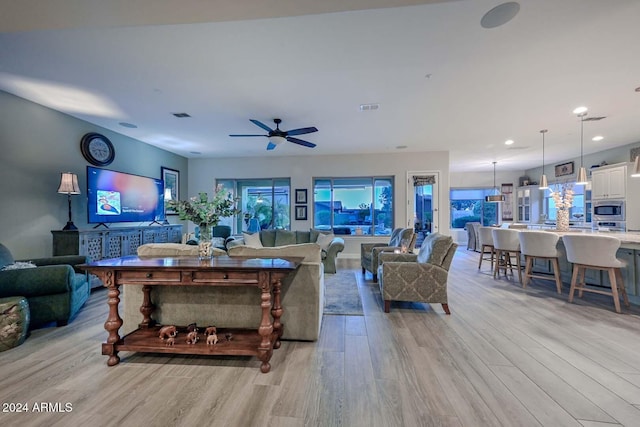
543	179
581	112
496	196
636	168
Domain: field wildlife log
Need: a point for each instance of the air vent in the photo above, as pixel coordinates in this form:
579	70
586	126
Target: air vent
181	115
369	107
594	119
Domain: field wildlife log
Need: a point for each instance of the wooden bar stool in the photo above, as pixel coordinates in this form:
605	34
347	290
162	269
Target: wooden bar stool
507	246
540	245
486	245
595	252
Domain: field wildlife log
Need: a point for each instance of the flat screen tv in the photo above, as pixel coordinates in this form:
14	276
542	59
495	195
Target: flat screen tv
122	197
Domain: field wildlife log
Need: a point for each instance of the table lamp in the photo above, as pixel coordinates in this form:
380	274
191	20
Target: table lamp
69	186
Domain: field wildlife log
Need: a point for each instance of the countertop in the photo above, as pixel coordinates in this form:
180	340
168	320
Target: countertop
629	237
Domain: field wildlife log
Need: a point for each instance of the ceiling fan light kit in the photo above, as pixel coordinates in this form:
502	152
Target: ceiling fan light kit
277	136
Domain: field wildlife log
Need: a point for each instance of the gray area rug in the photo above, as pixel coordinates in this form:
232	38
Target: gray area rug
341	295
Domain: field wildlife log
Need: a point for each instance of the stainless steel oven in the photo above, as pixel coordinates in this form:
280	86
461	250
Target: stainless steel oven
608	210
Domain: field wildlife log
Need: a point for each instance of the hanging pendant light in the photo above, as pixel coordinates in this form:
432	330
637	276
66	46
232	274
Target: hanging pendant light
636	168
496	197
581	112
543	179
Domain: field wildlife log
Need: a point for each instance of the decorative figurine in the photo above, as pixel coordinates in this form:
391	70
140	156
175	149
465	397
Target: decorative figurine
170	341
228	336
212	335
192	328
168	331
192	337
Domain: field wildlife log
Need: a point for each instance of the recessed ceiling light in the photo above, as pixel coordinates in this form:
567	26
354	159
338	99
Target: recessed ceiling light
500	15
597	138
181	115
508	142
128	125
580	110
369	107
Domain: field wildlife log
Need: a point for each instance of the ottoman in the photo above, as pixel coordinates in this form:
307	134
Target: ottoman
14	321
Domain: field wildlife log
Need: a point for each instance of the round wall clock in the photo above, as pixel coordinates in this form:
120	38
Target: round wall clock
97	149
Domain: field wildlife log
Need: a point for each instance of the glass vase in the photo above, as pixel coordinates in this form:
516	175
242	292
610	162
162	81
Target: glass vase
562	220
205	246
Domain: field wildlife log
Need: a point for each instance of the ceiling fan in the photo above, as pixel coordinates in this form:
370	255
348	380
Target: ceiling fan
276	136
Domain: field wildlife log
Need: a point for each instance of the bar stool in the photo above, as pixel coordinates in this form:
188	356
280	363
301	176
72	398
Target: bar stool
595	252
486	242
540	245
507	245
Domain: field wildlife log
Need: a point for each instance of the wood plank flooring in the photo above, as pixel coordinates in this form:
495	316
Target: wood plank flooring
505	357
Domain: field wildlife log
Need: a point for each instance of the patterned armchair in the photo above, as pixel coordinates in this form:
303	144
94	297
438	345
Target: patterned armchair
369	252
421	277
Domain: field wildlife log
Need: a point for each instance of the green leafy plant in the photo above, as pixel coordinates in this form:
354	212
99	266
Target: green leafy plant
200	210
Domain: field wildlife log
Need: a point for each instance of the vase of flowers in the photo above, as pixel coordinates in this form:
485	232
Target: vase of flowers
563	197
206	214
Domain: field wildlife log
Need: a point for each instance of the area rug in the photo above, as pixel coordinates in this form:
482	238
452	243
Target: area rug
341	295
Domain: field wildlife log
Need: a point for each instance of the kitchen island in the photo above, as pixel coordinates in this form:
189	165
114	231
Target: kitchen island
629	253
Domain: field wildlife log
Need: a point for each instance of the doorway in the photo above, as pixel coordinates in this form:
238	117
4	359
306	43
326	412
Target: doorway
422	201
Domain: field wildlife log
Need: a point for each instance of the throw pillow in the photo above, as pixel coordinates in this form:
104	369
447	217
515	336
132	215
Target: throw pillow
19	265
324	240
285	237
252	240
314	233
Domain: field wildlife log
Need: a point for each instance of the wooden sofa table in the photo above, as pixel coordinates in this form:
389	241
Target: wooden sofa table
147	272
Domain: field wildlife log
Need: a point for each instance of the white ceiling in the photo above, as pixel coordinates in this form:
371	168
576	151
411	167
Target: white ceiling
442	81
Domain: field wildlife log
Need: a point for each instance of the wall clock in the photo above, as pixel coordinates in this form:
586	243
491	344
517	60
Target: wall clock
97	149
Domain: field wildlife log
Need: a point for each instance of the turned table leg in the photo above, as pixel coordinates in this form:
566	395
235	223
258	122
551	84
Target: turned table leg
146	308
114	322
266	325
277	311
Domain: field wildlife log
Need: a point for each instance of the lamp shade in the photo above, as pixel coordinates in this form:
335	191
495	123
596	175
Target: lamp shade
495	198
582	176
68	183
544	184
167	194
636	168
277	139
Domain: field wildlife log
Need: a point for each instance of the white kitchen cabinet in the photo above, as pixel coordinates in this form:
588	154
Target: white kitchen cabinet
529	204
609	183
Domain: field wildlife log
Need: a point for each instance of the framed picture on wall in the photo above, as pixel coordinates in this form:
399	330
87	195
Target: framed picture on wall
301	213
171	178
564	169
301	195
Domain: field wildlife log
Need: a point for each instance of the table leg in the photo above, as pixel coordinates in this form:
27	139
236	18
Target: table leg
146	308
276	312
266	324
114	322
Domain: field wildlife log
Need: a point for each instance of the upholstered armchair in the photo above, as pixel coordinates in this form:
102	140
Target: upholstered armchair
369	252
421	277
54	290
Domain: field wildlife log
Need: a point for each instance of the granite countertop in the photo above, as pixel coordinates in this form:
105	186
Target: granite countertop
625	237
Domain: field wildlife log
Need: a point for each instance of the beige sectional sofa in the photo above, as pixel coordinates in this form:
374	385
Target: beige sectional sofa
302	297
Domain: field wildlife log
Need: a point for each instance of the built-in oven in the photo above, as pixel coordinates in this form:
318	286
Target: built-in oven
608	210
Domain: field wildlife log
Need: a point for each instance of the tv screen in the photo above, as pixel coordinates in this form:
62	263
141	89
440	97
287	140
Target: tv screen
122	197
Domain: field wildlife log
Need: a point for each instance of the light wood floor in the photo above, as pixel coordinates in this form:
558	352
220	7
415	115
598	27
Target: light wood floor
506	356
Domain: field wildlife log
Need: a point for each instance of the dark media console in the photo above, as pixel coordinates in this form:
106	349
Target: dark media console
113	242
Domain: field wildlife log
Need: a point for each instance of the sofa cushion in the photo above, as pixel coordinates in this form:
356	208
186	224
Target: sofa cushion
313	234
303	237
172	249
252	240
434	248
324	240
268	238
5	256
309	251
285	237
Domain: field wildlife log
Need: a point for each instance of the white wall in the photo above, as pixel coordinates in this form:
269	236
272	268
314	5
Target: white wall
301	170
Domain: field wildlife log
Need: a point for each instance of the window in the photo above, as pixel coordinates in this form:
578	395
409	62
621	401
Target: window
264	204
468	205
362	206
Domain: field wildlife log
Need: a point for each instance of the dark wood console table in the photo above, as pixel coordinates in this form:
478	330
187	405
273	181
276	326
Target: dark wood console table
147	272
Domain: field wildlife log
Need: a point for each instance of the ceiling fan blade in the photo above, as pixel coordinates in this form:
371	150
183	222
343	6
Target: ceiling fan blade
271	146
248	135
262	125
301	142
302	131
